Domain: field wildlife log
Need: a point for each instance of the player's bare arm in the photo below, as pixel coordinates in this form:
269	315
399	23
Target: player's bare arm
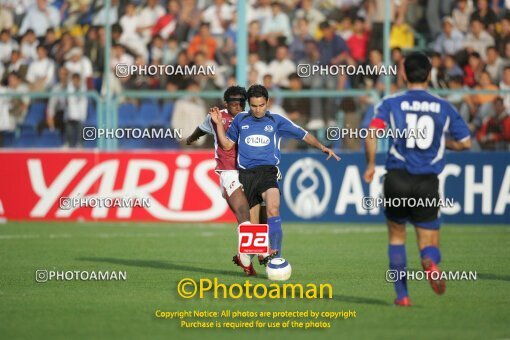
224	142
370	151
195	136
311	140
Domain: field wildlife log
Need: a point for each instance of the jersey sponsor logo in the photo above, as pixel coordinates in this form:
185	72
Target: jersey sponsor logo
257	140
268	128
307	175
245	127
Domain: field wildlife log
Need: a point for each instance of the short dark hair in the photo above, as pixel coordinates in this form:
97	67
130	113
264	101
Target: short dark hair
234	91
417	67
257	91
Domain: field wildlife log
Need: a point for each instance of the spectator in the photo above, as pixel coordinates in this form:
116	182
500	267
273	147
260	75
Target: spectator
78	63
478	39
18	106
17	64
63	47
495	131
269	84
358	42
75	113
455	83
189	112
148	18
503	36
57	104
282	67
494	65
218	16
504	84
29	45
437	79
50	42
312	15
259	66
41	72
261	12
6	18
276	30
99	18
473	69
479	105
451	68
130	37
486	15
450	40
7	45
301	34
171	51
39	18
165	26
203	42
298	109
333	51
255	42
376	14
461	15
435	9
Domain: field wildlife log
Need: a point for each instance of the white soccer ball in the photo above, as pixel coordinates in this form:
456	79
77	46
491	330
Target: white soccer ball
278	269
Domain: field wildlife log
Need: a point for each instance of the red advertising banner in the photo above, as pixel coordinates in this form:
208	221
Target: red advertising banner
96	186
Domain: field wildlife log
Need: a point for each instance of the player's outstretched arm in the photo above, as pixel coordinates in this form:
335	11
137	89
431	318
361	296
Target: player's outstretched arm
225	143
370	151
311	140
195	136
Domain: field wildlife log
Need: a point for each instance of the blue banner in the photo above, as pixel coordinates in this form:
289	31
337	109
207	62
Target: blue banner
474	186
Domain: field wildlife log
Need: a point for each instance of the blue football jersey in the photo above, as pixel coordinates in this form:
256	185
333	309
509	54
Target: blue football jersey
258	139
431	118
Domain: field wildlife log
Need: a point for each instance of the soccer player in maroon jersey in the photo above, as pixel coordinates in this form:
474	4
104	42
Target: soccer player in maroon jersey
235	100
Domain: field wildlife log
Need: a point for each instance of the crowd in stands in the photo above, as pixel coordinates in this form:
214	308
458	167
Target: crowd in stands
58	46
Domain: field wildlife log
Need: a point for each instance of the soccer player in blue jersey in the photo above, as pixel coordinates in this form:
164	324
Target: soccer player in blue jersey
257	134
413	165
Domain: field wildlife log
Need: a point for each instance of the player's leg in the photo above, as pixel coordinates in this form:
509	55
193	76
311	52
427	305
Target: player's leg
427	223
255	214
238	203
272	199
396	185
398	260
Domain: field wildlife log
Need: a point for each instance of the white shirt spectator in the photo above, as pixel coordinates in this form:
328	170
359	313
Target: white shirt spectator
314	18
148	17
5	121
83	67
44	68
262	69
445	44
76	105
57	103
40	21
29	51
479	44
278	24
100	17
189	112
6	49
210	15
281	70
496	69
129	25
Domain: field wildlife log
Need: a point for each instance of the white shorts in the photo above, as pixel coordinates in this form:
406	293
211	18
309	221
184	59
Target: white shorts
229	182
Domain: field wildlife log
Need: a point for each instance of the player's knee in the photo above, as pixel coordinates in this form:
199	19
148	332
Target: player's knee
273	211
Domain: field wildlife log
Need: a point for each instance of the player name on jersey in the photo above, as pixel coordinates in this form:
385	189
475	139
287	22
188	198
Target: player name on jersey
420	106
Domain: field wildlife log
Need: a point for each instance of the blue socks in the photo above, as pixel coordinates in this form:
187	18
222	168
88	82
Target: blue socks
398	262
275	233
432	253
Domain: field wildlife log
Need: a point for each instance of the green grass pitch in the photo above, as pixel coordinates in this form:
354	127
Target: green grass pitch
351	257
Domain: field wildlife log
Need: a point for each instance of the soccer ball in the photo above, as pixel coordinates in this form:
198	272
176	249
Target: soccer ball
278	269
